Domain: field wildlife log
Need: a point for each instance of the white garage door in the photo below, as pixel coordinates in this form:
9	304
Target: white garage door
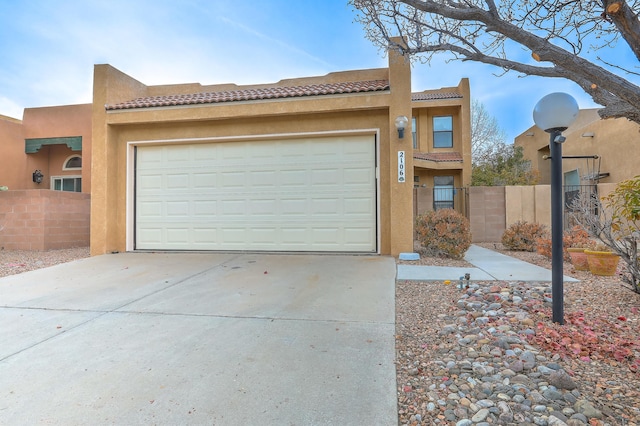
314	194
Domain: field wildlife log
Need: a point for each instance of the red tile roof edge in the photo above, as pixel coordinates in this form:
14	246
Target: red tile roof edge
253	94
438	157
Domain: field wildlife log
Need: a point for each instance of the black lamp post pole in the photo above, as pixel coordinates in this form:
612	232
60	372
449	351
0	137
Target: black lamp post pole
557	261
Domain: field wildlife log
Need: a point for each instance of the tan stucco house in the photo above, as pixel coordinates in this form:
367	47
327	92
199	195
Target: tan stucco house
595	150
312	164
45	162
304	165
54	141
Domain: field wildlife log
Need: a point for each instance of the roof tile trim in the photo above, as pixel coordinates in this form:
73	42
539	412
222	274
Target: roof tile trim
254	94
438	156
421	96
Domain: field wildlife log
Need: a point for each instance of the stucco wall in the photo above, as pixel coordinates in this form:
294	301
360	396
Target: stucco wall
43	220
17	167
615	141
12	161
487	213
369	113
54	122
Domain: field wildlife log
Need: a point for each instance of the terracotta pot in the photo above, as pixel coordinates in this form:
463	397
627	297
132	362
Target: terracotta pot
578	258
602	262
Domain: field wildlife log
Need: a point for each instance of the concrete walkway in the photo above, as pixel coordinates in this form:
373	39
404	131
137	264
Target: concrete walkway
488	265
200	339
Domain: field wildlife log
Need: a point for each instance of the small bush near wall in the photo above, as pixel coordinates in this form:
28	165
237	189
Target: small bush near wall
576	237
444	233
523	236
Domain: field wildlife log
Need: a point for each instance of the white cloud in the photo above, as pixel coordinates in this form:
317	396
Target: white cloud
10	108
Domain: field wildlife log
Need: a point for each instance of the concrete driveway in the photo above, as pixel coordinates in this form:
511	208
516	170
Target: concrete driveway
215	339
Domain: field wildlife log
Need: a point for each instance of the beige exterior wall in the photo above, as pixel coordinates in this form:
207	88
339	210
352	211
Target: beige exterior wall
533	203
615	141
114	132
17	167
460	110
13	167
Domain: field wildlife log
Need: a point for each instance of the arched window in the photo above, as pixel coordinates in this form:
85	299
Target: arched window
73	163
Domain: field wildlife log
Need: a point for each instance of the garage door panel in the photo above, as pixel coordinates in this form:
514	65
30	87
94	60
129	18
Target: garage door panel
177	235
151	235
357	206
265	207
293	195
266	178
179	209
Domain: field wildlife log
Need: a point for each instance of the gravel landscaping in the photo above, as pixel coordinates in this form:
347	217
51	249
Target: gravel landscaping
18	261
462	354
490	354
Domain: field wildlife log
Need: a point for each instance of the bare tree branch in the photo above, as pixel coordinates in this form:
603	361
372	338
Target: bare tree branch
555	32
626	21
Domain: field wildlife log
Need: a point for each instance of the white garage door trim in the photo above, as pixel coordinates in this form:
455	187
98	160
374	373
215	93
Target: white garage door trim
355	230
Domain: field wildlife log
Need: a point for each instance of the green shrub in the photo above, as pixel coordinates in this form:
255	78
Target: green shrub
443	233
523	236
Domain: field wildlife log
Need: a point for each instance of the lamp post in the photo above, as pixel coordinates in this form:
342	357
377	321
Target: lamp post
554	113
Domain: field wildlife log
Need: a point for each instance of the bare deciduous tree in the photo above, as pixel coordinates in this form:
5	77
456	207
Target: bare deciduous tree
558	35
486	133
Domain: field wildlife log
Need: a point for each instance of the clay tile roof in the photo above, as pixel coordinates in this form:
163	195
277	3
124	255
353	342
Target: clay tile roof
431	96
438	157
254	94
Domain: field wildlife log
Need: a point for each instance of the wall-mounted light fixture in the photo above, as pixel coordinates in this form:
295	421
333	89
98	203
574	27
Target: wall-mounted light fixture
38	176
401	124
588	134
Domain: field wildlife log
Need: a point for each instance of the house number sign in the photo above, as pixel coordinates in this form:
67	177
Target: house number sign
401	170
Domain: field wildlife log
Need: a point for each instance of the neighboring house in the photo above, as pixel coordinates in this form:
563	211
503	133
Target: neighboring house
595	150
51	145
45	161
304	165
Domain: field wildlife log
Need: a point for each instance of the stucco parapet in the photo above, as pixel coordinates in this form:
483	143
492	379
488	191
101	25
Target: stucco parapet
312	105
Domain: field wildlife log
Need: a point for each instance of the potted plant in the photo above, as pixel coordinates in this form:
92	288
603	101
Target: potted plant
616	222
602	261
579	258
577	240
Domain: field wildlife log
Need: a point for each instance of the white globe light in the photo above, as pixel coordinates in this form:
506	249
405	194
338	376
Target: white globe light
556	111
401	122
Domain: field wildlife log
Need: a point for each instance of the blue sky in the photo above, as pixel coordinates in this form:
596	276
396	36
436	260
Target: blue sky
48	49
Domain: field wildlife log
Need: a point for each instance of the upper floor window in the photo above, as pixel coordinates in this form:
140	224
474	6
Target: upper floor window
73	163
443	132
414	132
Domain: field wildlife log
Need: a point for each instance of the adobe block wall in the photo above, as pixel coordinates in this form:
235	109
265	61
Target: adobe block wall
487	215
41	219
422	200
